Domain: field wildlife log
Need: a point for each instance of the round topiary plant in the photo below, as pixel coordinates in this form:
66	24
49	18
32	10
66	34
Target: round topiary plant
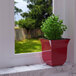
53	28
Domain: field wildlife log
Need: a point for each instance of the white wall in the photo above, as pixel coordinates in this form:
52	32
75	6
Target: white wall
70	22
6	32
66	10
74	15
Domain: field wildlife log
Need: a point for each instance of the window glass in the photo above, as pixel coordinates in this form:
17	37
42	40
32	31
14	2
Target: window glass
28	16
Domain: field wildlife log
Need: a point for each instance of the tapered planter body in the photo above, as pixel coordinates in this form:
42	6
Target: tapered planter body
54	52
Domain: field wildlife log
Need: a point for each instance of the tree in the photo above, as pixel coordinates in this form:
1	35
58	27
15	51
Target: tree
27	23
39	11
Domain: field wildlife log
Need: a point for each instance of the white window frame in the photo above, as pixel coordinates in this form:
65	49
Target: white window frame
7	39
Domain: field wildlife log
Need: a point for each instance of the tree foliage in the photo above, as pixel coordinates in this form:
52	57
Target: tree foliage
27	23
39	10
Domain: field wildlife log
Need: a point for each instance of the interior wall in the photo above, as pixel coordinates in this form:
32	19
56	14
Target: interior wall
74	20
6	32
65	9
70	22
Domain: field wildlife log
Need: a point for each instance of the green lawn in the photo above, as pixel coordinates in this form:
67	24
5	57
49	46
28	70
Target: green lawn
27	46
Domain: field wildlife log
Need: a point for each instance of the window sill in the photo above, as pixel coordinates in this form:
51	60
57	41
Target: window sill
35	69
26	59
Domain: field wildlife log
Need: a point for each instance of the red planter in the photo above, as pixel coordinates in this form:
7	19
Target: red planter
54	52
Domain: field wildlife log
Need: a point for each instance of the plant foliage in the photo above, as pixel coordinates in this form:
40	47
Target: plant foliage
53	28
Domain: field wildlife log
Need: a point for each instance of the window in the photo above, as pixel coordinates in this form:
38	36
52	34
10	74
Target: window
29	16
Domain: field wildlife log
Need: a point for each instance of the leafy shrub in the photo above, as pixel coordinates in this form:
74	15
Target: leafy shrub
53	28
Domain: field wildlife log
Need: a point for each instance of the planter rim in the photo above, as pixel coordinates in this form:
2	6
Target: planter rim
58	39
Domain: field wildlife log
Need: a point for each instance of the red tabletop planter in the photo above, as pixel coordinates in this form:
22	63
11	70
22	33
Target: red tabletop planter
54	52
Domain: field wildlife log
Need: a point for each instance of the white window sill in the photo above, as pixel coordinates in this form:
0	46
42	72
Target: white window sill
35	69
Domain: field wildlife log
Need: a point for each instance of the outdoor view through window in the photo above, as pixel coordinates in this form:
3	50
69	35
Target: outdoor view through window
29	15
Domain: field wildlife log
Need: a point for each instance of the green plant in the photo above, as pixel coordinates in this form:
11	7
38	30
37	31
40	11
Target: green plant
53	28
